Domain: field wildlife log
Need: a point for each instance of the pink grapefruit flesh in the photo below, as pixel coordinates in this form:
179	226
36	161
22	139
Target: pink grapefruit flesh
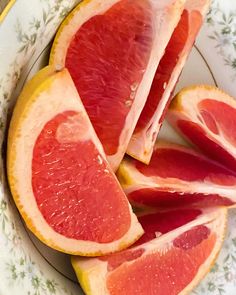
162	222
168	262
154	224
175	269
206	116
166	77
112	57
155	197
74	193
115	70
164	71
177	176
59	176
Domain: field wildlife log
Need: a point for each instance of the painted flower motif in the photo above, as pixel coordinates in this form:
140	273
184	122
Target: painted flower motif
20	269
222	26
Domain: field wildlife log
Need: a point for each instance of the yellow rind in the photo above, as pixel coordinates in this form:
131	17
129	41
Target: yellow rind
65	23
38	84
82	277
22	101
177	101
123	175
6	10
35	87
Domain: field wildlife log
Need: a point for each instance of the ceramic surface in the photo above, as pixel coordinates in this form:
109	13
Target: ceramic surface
26	29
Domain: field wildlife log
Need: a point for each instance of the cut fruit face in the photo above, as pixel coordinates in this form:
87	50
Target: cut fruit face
206	116
58	174
177	176
112	49
166	76
172	263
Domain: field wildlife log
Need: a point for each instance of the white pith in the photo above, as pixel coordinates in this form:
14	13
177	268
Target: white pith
138	181
96	273
60	96
190	112
219	227
166	16
142	143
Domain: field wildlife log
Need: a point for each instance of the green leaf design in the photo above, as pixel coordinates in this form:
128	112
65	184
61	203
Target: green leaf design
223	33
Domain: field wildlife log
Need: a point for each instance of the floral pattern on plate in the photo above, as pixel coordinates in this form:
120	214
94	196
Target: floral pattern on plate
21	266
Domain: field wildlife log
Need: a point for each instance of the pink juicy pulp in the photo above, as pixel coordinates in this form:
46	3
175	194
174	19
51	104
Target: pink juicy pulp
159	222
179	164
77	195
107	59
175	270
161	197
164	71
219	117
164	272
164	222
197	135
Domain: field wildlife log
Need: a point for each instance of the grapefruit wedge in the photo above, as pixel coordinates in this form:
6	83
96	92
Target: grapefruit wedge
177	176
206	116
111	49
58	174
170	264
167	74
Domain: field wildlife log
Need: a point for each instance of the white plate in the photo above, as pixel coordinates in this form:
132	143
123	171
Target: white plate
27	267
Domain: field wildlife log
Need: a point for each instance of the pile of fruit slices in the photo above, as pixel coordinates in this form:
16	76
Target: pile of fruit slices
106	91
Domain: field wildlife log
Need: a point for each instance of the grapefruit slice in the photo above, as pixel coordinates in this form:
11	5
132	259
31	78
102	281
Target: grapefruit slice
206	116
172	263
58	174
167	74
111	49
177	176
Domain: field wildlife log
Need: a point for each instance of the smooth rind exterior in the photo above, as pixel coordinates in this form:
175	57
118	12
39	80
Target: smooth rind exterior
93	273
184	104
19	160
167	15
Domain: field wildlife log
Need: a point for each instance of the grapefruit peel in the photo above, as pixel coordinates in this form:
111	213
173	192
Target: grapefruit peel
42	99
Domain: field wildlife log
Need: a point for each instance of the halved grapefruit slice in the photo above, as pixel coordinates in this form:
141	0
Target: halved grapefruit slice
206	116
59	177
168	71
170	264
111	49
177	176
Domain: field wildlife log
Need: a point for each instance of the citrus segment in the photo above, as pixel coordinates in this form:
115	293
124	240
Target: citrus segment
112	51
183	263
59	176
103	96
157	223
177	176
79	187
151	196
170	67
164	71
205	115
172	263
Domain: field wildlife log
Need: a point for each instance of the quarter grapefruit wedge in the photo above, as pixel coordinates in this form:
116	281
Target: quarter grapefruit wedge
177	176
170	264
167	74
111	49
58	174
206	116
